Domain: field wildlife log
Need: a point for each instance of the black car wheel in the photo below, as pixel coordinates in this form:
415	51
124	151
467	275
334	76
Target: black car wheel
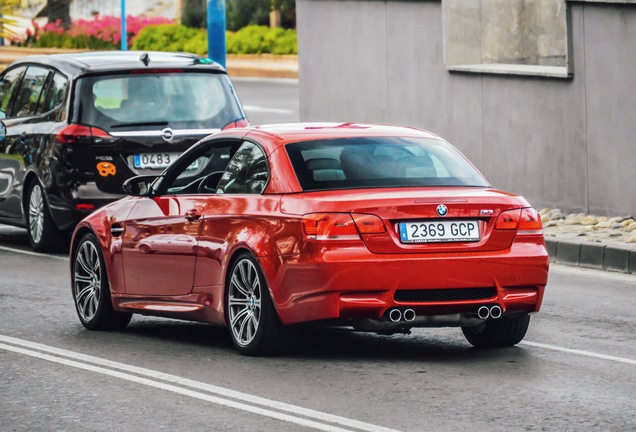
254	325
43	234
91	291
502	332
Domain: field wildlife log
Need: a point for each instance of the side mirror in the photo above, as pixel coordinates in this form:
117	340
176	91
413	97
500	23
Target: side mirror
140	185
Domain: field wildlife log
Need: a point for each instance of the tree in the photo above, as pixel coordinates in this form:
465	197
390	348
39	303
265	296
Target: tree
241	13
57	10
194	13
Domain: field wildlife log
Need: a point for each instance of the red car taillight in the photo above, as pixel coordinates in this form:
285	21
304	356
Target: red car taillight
527	221
368	224
80	134
530	222
340	226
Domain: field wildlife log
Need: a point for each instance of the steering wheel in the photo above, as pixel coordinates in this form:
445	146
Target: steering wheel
209	183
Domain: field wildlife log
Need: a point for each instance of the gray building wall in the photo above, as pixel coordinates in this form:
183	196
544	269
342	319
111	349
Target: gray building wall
562	143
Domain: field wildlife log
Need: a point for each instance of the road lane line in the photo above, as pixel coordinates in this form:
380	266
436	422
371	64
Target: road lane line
580	352
24	252
174	389
173	379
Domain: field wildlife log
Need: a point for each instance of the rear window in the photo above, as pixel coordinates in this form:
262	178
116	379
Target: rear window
345	163
175	99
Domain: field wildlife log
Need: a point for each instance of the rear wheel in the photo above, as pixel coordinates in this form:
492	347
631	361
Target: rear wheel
43	234
502	332
91	291
254	325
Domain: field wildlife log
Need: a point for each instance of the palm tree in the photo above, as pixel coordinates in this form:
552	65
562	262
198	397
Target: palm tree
8	9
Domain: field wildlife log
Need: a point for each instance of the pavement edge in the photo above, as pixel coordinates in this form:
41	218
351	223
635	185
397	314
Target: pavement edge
592	255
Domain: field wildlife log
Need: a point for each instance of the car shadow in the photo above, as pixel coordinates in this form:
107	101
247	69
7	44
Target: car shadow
14	237
18	238
332	344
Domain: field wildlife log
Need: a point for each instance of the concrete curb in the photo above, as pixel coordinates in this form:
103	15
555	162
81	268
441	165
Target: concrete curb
592	255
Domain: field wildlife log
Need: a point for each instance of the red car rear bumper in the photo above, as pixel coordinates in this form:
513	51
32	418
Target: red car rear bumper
354	283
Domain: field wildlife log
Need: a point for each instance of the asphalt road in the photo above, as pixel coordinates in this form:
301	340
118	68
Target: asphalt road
575	371
268	101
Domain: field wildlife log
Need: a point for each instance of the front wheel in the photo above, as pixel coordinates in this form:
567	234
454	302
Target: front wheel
502	332
91	291
254	325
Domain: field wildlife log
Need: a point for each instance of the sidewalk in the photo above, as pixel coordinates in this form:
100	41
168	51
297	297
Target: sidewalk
246	65
604	243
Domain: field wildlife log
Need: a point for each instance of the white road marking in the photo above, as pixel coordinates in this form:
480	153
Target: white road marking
25	252
255	108
224	396
580	352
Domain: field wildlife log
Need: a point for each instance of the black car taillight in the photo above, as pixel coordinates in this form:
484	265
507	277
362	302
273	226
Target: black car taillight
81	134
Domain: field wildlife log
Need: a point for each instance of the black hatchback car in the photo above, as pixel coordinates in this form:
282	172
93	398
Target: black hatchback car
74	127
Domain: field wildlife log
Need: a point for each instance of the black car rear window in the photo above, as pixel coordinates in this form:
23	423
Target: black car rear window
176	98
345	163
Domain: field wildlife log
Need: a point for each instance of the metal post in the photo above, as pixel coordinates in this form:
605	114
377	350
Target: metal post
216	31
124	34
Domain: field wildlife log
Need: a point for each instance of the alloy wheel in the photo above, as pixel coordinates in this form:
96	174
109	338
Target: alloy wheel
87	281
36	213
244	302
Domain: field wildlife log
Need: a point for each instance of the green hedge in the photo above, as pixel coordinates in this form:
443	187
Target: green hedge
172	37
54	40
248	40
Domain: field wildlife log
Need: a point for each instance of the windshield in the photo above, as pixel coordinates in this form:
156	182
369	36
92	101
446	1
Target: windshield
345	163
169	98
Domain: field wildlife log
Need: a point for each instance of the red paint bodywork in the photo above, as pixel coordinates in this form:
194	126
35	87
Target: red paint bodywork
165	264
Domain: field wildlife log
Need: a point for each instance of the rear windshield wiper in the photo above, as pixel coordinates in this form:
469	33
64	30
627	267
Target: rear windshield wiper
156	123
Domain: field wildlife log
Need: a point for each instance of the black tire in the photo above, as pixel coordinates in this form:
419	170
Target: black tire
91	290
254	325
502	332
44	235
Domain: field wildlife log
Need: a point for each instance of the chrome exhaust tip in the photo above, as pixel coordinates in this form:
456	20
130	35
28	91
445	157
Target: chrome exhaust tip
409	315
395	315
483	312
495	312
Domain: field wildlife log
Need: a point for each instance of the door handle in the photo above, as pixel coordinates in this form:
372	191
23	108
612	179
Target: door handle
116	230
192	215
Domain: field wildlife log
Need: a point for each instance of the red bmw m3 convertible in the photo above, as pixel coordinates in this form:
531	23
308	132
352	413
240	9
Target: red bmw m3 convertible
261	229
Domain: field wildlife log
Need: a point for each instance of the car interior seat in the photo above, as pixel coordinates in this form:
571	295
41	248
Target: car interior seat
325	169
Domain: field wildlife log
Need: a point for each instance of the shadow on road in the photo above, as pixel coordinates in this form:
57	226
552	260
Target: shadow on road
18	238
14	237
333	344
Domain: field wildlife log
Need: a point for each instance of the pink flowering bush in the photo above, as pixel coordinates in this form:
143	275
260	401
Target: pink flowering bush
102	32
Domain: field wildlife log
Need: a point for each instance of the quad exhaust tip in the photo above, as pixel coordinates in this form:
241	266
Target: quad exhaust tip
397	315
409	315
485	312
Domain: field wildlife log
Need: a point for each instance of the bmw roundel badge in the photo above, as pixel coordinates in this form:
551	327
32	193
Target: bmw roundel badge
442	210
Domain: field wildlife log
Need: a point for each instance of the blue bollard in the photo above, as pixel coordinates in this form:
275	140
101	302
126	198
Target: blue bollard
216	31
124	34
